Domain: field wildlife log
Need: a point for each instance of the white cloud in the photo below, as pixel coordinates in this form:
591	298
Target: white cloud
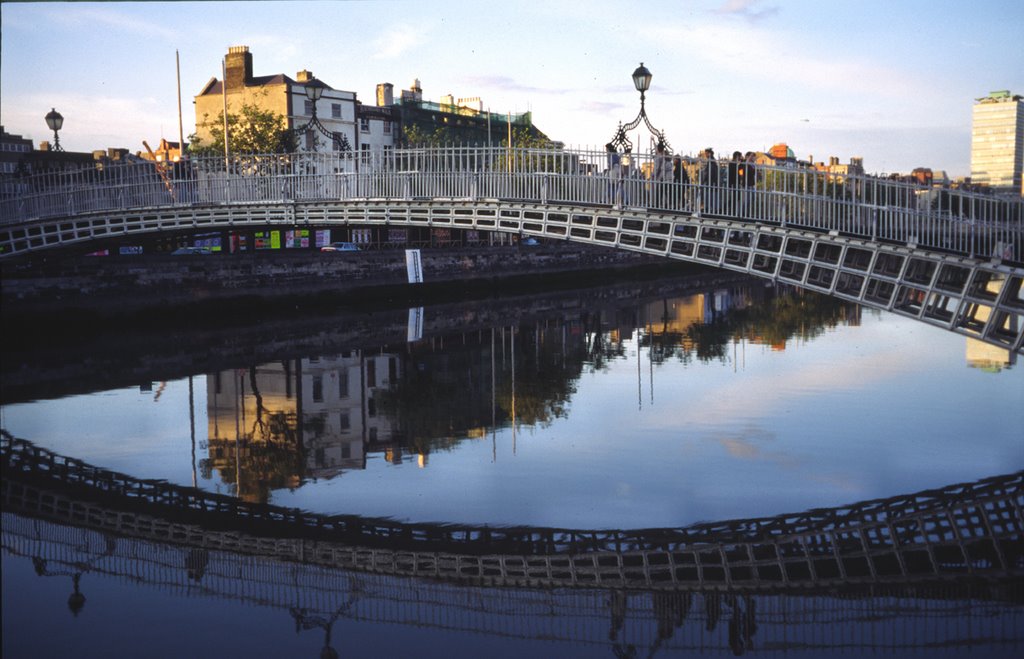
97	17
781	60
747	9
397	41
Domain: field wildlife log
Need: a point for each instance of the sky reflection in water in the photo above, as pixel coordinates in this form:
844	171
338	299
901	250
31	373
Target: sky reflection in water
883	407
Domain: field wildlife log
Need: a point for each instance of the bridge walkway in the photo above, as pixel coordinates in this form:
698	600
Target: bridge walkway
949	258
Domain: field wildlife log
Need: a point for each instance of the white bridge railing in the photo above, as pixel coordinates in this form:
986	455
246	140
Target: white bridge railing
956	221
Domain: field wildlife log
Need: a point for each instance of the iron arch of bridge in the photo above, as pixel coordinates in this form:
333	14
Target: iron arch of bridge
982	299
963	529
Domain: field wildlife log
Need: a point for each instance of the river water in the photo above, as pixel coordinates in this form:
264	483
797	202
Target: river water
657	406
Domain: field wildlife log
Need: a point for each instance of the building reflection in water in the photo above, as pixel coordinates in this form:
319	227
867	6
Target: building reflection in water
278	424
273	425
987	357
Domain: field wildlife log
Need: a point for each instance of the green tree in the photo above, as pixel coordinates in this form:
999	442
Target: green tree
414	135
252	130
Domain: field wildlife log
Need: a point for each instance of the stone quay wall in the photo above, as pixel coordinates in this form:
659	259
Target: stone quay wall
133	283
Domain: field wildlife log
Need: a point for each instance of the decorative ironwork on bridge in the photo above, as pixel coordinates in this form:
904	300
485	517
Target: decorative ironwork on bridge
621	142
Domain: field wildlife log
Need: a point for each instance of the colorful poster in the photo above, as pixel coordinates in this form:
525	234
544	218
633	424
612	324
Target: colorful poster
268	239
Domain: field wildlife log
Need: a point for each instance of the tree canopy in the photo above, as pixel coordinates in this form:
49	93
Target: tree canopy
252	130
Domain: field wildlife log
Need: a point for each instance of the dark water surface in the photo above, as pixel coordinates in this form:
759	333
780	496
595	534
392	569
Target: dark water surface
654	407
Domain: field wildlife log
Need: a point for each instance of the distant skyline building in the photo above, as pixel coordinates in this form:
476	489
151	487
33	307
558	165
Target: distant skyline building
997	141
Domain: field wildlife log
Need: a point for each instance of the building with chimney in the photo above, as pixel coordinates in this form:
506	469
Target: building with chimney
997	142
336	110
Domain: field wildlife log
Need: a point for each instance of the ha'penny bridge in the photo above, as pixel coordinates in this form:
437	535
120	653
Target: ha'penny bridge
960	547
949	258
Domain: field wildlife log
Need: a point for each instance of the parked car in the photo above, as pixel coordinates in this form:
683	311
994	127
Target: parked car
192	250
340	247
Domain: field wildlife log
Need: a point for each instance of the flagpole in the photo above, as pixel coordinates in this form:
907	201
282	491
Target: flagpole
224	90
181	131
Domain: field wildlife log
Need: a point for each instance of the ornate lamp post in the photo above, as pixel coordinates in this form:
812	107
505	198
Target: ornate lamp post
314	90
55	120
642	81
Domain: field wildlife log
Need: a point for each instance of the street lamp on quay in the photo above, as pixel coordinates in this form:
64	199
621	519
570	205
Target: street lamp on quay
55	120
642	81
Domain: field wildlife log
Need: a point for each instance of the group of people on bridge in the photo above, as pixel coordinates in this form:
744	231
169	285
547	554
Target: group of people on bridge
676	182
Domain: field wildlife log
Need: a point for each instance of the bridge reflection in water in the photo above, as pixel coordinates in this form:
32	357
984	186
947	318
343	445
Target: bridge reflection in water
937	568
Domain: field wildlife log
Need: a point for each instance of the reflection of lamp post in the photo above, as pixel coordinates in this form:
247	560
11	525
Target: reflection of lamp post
642	81
54	120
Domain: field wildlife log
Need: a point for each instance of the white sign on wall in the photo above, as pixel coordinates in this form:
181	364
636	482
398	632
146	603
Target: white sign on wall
414	266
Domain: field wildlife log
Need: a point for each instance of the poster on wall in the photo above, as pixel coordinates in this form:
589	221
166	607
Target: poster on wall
267	239
210	241
442	236
323	237
296	238
239	242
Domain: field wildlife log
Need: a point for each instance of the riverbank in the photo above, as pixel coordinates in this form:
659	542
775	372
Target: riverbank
158	287
51	355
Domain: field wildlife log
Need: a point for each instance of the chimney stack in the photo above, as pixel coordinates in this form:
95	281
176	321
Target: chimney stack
385	94
239	67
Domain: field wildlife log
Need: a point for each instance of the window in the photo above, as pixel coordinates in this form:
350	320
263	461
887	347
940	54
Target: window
318	389
337	141
344	421
371	373
343	383
364	124
387	127
310	141
309	107
336	110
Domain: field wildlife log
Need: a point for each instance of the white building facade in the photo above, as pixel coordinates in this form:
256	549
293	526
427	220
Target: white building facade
997	142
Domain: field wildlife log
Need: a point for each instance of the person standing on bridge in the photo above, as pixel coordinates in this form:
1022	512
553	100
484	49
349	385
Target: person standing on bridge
614	175
682	181
662	175
708	183
748	178
736	184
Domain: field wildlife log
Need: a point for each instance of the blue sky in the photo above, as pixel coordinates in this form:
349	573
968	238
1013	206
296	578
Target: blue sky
891	81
